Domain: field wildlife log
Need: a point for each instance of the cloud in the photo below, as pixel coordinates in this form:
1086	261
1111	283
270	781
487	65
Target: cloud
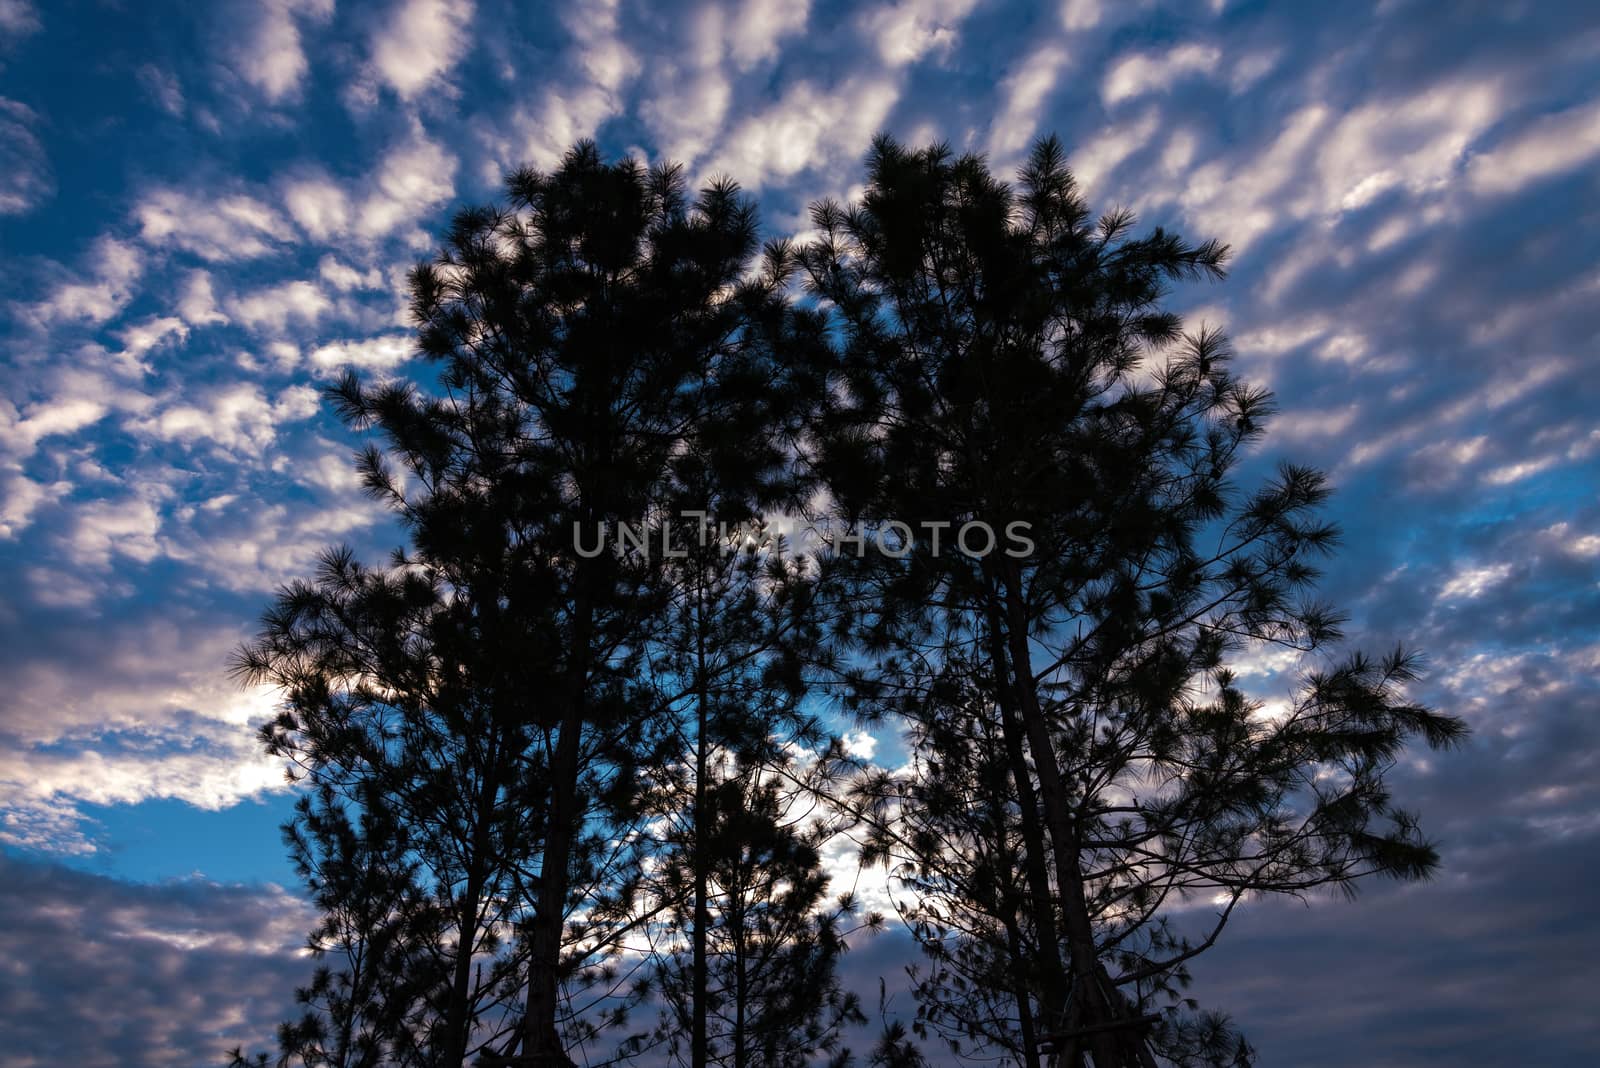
108	973
370	354
25	178
237	417
1551	145
65	412
909	30
127	708
273	308
319	204
692	88
1096	159
273	59
216	229
21	497
1415	142
806	130
139	338
1149	72
1474	581
198	303
345	278
1404	974
413	177
418	42
103	530
163	88
115	267
18	19
755	28
1025	90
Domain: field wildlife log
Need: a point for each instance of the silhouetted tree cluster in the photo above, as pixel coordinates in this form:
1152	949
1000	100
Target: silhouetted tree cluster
570	755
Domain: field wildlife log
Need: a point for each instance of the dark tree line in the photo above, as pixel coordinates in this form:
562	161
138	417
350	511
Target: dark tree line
568	758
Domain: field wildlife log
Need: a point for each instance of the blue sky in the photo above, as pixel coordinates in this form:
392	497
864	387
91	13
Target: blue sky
206	210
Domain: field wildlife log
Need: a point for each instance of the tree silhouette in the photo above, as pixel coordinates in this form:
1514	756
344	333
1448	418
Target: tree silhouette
397	698
562	722
1005	360
730	665
763	969
956	846
581	335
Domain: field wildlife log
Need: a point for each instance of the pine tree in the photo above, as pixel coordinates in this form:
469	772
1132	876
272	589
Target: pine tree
955	850
580	335
1005	361
395	716
768	982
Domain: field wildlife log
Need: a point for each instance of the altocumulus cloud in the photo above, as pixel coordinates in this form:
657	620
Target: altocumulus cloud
216	215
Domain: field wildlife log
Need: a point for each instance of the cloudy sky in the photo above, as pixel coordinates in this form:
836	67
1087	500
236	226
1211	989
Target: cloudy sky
206	210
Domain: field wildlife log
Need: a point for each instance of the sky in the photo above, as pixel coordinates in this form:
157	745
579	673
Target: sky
207	210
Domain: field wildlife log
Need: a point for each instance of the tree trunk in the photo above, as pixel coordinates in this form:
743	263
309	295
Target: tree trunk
458	1018
702	914
541	1043
1044	909
1090	1003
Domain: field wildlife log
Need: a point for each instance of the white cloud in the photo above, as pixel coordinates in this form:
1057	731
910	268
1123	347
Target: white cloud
601	55
561	117
1413	142
756	27
25	179
418	42
238	417
1080	15
275	307
104	529
21	497
1099	156
332	470
572	107
18	19
1472	582
686	118
691	91
198	304
907	31
139	338
217	229
116	267
163	88
1025	90
413	177
249	546
807	129
1314	423
21	431
273	59
140	709
345	278
1551	145
860	744
319	204
1506	474
1242	197
202	776
370	354
1149	72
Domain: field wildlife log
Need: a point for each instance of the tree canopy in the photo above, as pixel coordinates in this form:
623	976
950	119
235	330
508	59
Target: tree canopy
566	754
